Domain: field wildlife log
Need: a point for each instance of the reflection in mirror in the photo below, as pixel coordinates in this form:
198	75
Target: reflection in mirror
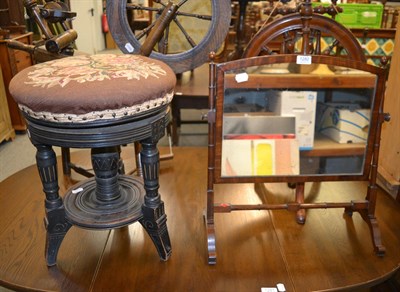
289	119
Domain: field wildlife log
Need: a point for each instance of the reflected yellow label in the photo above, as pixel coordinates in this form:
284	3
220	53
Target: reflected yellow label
263	159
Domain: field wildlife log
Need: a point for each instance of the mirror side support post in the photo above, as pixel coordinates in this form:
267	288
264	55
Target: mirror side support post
209	216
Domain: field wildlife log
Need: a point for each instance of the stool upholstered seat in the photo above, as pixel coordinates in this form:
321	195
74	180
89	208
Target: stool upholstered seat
89	88
99	102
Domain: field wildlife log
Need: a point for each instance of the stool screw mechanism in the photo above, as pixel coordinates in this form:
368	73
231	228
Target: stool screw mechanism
105	163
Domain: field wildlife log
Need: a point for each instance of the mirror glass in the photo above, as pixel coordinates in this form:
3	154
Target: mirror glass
289	119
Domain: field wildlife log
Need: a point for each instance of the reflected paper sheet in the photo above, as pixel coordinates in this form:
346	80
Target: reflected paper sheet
259	157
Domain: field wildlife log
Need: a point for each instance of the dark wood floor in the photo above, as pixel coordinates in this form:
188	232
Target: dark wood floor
255	248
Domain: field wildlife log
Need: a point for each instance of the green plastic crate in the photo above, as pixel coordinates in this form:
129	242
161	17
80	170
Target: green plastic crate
358	15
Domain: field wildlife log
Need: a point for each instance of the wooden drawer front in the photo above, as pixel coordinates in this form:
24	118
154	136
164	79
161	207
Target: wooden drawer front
25	40
22	60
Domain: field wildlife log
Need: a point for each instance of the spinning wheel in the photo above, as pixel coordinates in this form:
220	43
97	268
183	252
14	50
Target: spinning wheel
308	27
180	35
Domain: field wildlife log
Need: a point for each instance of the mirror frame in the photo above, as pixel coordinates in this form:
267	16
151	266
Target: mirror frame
217	91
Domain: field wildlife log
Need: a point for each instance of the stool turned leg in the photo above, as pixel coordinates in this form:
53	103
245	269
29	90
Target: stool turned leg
66	161
55	222
154	217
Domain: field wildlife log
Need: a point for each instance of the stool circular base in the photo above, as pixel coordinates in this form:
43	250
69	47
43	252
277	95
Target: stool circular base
83	209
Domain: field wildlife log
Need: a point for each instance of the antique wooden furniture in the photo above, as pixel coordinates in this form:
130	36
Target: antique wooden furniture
11	13
248	143
6	130
13	61
99	102
53	20
300	33
189	30
56	35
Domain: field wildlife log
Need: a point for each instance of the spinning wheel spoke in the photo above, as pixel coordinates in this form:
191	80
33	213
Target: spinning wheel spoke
266	51
330	50
163	44
185	33
199	16
142	8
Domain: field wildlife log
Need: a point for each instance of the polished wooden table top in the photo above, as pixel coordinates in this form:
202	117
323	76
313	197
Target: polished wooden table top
193	83
255	248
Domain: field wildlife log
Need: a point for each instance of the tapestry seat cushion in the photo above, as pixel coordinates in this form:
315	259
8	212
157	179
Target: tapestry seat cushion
87	88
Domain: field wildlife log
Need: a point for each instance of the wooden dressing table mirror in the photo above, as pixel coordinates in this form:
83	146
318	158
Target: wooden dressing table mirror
295	119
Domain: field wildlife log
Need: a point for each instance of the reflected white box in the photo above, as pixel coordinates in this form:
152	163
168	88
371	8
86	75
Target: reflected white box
301	105
344	125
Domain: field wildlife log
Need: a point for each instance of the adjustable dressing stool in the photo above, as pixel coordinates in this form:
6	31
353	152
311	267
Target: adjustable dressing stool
99	102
